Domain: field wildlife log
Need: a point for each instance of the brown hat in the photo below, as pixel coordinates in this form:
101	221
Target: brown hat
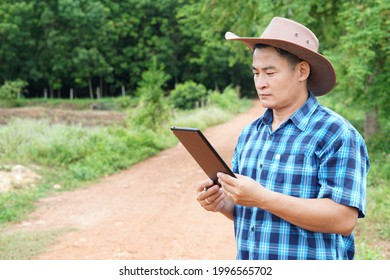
299	40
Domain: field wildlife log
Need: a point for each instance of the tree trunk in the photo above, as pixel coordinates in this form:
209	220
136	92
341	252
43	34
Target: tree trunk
98	95
90	88
371	123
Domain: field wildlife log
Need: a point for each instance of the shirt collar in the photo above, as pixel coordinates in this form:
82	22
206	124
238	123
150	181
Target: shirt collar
300	118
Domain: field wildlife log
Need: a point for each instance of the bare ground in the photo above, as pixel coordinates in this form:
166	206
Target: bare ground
66	116
149	211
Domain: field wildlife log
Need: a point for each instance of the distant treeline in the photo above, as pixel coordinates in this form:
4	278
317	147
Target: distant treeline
92	48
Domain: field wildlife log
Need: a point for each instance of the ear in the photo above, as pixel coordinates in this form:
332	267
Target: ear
303	69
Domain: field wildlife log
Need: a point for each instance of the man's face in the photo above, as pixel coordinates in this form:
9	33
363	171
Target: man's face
276	80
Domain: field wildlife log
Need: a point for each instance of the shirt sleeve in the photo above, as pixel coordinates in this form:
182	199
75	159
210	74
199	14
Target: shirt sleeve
343	171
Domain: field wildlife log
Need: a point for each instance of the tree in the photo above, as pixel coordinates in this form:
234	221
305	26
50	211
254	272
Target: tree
151	112
362	59
16	41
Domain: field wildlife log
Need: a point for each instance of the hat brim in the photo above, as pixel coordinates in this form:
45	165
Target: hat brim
322	78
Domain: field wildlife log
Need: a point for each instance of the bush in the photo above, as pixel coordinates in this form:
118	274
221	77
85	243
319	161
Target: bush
11	90
125	102
188	95
227	100
151	111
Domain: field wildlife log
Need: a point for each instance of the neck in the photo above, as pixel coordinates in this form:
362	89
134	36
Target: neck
280	115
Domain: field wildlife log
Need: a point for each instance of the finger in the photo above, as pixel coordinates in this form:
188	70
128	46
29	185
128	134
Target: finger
202	186
205	184
227	179
213	200
212	194
208	193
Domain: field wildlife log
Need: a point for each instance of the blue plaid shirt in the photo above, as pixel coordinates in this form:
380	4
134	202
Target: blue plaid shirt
314	154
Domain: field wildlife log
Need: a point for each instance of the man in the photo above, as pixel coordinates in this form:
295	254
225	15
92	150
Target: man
301	168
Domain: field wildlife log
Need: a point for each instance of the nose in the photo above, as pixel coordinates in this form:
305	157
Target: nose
261	82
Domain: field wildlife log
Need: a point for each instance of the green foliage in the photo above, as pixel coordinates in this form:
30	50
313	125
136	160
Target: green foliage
115	151
227	100
100	150
361	56
201	118
12	90
125	102
188	95
379	150
152	111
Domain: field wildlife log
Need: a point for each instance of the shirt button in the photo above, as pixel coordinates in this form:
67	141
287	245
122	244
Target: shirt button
252	228
261	165
270	137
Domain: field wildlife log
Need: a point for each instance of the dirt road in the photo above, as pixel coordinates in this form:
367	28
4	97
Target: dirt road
146	212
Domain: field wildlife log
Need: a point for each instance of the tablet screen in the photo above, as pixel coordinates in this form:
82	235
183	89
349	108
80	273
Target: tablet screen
202	151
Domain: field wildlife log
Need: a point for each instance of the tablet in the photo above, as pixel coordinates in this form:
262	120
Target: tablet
202	151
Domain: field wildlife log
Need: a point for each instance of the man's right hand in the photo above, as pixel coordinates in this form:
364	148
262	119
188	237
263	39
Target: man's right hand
213	198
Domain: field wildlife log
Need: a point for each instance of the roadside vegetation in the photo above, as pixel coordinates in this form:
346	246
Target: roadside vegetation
71	156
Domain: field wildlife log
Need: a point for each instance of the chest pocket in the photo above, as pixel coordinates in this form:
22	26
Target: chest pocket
289	168
292	174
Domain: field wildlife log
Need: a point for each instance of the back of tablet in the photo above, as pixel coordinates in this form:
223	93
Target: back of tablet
202	151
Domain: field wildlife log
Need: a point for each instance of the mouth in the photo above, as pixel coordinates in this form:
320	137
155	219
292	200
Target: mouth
262	95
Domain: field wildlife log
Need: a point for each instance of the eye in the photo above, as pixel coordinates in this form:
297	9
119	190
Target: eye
270	73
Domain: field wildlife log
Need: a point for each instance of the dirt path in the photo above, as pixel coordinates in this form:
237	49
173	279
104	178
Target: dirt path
146	212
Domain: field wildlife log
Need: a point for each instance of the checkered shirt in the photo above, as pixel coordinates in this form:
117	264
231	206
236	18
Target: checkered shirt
314	154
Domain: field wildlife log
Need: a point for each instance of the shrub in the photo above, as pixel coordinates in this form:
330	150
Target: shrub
151	111
228	100
188	95
11	90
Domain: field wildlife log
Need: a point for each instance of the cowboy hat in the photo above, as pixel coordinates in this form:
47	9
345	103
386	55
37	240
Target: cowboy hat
297	39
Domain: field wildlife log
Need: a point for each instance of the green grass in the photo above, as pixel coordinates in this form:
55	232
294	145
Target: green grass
25	245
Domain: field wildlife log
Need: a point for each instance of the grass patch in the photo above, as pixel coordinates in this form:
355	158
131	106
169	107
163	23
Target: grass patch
25	245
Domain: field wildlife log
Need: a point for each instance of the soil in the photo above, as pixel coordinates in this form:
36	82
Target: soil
66	116
148	212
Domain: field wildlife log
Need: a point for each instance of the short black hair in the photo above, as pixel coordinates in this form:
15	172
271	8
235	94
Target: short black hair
292	59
